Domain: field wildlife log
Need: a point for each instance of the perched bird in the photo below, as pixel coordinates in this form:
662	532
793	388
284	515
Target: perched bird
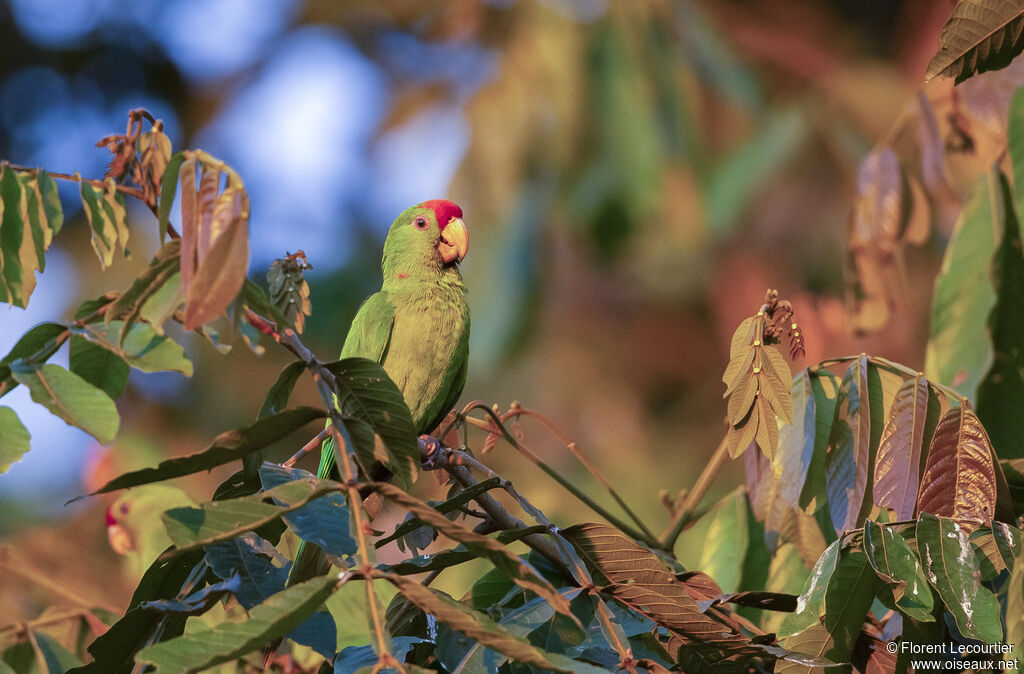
416	327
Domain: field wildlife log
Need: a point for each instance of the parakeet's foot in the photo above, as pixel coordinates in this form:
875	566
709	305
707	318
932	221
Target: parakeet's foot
430	452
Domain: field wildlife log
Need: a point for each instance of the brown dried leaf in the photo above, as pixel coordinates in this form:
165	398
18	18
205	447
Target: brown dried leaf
189	222
220	269
959	480
898	464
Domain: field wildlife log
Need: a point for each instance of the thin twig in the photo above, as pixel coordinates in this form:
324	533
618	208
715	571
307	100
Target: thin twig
518	410
498	427
308	447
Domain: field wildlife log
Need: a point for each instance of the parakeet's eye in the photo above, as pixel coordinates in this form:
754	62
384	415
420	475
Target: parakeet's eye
420	223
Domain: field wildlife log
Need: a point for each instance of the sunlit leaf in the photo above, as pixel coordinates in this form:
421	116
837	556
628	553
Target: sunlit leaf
1001	392
70	397
142	347
16	280
898	464
953	570
168	188
898	566
959	351
825	387
980	35
104	231
14	438
726	543
274	618
959	478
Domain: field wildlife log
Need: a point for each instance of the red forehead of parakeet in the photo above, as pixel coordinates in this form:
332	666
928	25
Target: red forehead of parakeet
444	210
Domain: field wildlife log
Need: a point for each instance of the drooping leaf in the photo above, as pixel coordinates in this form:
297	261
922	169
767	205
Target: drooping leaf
849	448
796	442
168	188
959	351
141	347
14	438
959	478
981	35
197	603
226	447
373	407
215	241
483	629
1001	392
898	566
70	397
952	570
101	367
898	465
274	618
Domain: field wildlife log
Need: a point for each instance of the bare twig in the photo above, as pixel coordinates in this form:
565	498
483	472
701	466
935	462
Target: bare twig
308	447
11	563
687	511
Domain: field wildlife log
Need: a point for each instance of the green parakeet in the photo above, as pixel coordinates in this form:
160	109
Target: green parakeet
416	327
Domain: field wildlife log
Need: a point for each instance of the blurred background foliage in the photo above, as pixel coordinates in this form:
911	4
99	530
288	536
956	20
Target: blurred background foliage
634	175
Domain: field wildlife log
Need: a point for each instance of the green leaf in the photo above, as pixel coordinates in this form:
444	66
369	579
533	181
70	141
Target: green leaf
959	351
953	570
168	188
103	230
70	397
348	607
1015	604
256	298
796	442
223	520
162	268
14	438
102	368
851	590
36	345
1015	145
981	35
725	545
1001	392
141	348
272	619
373	407
810	605
849	449
226	447
1009	542
277	396
16	279
897	565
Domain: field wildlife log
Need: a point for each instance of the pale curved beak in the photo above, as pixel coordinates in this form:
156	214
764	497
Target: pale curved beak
454	241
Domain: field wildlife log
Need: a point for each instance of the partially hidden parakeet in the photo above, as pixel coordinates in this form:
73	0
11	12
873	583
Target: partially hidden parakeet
416	327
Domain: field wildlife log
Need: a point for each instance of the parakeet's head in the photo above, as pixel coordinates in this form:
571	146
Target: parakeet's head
424	241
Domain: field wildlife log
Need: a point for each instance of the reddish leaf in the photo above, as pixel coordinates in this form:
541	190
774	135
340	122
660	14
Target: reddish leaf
898	465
